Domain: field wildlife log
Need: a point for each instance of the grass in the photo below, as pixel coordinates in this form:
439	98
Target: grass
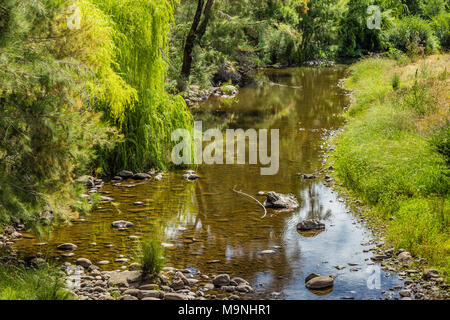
21	283
393	152
150	256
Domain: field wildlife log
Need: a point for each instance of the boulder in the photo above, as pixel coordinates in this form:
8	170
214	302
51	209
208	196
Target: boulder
310	225
430	274
280	201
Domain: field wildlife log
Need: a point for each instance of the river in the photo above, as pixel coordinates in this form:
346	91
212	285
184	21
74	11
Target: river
206	226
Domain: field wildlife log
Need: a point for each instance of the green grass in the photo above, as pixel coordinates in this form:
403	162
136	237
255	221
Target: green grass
20	283
150	256
387	158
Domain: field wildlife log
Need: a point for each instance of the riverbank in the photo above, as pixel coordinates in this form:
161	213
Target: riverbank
393	155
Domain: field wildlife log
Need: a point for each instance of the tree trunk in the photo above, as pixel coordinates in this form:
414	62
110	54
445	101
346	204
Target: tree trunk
207	16
189	46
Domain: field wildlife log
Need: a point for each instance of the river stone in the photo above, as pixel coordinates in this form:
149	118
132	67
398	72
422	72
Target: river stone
121	224
128	297
87	181
67	246
103	262
190	176
150	298
124	278
311	276
175	296
153	294
309	225
85	263
319	283
133	292
125	174
430	274
141	176
149	286
221	280
239	280
308	176
280	201
135	266
177	284
404	256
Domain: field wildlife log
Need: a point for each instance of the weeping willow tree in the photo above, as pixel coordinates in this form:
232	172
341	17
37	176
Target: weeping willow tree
141	30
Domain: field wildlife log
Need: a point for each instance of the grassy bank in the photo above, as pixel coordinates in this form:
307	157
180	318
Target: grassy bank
20	283
394	151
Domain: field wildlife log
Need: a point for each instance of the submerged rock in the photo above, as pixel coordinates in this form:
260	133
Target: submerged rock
121	224
190	175
280	201
310	225
308	176
67	246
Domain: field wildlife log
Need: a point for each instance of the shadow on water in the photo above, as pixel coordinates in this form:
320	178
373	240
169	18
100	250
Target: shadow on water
206	226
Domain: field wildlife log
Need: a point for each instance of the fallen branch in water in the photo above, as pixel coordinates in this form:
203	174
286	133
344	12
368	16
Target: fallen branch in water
245	194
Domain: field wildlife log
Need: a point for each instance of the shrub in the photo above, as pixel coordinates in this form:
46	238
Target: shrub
412	35
441	141
396	81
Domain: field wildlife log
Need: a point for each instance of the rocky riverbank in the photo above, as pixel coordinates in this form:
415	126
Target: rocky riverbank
420	282
87	282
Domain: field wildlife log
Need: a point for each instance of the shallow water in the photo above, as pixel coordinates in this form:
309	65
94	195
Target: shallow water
204	221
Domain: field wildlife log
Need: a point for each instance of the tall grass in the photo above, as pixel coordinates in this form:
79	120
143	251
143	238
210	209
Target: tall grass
20	283
387	157
150	256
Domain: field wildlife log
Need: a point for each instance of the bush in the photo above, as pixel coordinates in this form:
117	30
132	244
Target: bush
412	35
441	141
441	27
150	257
396	81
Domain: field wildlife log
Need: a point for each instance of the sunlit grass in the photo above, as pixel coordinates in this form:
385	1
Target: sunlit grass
44	283
394	151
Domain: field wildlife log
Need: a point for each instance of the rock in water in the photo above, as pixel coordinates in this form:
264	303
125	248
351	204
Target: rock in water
311	276
85	263
120	224
280	201
66	246
318	283
221	280
310	225
125	174
141	176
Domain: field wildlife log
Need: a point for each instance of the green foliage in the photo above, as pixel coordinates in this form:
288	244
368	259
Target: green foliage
141	38
441	141
386	161
413	35
396	81
43	283
150	257
47	127
356	39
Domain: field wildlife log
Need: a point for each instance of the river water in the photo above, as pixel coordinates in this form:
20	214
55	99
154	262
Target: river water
206	226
